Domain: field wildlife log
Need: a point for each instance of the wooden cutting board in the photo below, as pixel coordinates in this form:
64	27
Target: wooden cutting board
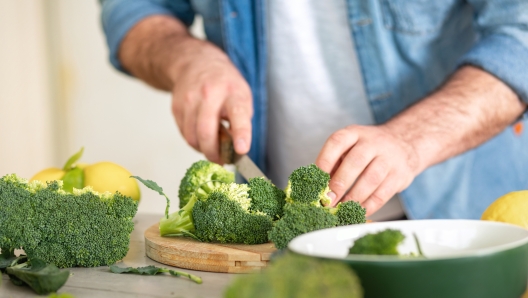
188	253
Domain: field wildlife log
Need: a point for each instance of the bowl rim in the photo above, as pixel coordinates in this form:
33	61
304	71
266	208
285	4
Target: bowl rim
384	258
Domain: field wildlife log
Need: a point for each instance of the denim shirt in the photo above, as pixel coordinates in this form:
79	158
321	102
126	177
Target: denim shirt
406	49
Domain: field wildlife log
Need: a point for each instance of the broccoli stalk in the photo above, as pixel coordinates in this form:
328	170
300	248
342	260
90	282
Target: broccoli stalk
83	228
179	223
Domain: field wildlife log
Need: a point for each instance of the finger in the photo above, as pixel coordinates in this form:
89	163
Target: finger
335	147
177	111
208	121
387	189
190	103
368	181
354	163
239	113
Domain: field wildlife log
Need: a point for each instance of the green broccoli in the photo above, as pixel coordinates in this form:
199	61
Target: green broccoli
224	216
292	276
349	213
382	243
308	185
300	219
201	178
85	228
266	197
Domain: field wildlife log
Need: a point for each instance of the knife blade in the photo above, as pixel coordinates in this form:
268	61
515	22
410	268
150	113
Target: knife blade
244	165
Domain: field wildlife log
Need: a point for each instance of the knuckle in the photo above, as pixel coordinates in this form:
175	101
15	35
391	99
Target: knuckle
374	177
204	132
188	98
338	137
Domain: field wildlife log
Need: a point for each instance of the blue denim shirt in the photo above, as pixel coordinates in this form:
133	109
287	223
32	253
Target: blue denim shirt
406	49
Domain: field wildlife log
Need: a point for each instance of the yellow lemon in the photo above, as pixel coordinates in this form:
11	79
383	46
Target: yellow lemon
48	174
510	208
108	176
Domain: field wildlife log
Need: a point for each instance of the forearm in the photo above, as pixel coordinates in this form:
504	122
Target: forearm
472	107
157	49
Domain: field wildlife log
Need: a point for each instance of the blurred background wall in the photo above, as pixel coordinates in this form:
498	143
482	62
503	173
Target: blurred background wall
58	92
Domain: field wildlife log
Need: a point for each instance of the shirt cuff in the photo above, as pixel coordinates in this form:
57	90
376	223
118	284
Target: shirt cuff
119	17
505	58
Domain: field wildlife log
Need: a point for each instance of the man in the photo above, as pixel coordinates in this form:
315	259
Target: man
407	97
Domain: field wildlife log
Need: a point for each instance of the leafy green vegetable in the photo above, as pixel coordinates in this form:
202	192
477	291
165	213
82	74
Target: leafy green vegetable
153	270
382	243
74	178
308	185
296	276
266	197
41	277
155	187
84	228
201	178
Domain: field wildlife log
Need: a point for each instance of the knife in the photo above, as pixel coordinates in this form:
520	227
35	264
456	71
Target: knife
244	165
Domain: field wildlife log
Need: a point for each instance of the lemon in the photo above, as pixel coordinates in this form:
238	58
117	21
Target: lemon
48	174
510	208
108	176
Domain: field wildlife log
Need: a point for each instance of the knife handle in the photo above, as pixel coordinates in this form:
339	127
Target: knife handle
227	150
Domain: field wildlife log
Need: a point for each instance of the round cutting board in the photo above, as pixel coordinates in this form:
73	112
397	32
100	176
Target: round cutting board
191	254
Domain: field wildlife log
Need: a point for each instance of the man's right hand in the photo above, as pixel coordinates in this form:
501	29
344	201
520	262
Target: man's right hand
206	87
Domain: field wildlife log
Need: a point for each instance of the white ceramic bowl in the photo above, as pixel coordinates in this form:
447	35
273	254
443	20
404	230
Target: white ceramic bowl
464	258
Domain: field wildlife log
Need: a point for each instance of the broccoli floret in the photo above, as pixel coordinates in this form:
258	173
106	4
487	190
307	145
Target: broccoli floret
382	243
224	216
308	185
201	178
293	276
300	219
349	213
266	197
83	228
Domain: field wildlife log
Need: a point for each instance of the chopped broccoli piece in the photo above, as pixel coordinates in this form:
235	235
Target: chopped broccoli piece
349	213
266	197
382	243
308	185
296	276
299	219
85	228
224	216
201	178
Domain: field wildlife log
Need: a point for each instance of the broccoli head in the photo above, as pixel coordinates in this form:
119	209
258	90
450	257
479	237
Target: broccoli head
349	213
225	216
83	228
300	219
382	243
293	275
308	185
201	178
266	197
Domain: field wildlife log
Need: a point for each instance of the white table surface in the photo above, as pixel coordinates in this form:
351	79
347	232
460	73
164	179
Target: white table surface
100	282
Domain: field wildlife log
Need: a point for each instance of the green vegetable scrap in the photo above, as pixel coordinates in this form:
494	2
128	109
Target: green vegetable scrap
382	243
153	270
62	295
201	178
266	197
40	277
295	276
83	228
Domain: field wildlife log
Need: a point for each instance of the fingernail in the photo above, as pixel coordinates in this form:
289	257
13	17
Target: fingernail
240	145
333	197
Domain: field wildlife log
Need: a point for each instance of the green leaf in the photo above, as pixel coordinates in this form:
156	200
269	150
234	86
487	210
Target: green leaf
153	270
41	277
155	187
73	159
73	178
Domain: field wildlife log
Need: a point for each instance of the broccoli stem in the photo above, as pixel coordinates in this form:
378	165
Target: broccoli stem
192	277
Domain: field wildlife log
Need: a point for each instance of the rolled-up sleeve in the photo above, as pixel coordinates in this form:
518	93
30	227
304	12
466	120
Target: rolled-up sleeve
119	16
502	48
